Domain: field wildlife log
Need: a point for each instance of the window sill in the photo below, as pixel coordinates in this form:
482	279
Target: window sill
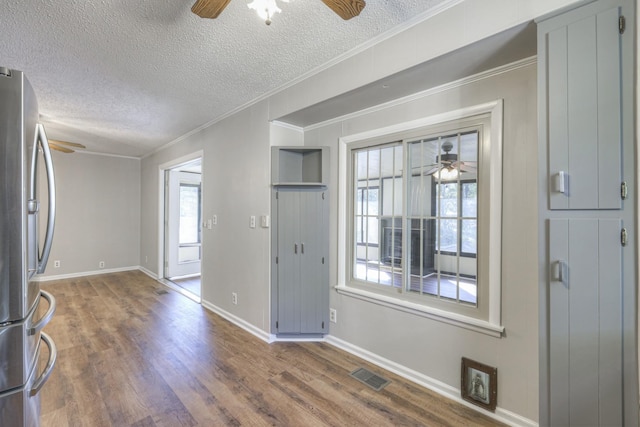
455	319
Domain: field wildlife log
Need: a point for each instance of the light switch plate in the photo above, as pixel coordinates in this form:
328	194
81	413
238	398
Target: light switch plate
264	221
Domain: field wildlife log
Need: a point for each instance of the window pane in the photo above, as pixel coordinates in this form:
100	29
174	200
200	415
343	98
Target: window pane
448	197
378	188
358	226
361	165
372	230
448	235
372	201
189	228
469	236
470	200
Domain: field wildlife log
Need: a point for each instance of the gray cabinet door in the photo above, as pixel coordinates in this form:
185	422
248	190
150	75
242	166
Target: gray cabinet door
302	276
585	322
288	276
583	66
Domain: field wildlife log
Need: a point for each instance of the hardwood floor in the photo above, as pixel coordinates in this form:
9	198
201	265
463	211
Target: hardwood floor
130	354
190	284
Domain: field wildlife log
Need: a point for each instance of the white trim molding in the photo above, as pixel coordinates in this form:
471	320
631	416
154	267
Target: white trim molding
490	325
85	273
241	323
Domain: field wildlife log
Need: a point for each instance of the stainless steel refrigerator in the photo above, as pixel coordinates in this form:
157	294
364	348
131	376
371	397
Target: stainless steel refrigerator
23	145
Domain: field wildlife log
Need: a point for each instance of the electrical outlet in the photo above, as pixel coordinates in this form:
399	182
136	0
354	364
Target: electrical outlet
252	221
56	264
333	315
101	264
234	298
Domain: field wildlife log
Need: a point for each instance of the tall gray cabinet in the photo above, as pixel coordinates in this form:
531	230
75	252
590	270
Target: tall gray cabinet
300	241
588	314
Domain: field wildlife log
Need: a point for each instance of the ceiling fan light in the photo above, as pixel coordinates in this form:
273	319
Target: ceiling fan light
448	174
265	9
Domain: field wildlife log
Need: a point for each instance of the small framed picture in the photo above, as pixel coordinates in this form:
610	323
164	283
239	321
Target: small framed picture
479	384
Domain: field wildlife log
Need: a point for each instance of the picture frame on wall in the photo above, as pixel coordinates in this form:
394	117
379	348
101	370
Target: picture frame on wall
479	384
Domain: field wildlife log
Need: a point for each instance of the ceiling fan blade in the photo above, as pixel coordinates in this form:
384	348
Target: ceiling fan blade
466	166
70	144
209	8
346	9
57	147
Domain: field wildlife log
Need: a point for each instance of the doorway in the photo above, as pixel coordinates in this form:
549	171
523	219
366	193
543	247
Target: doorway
183	227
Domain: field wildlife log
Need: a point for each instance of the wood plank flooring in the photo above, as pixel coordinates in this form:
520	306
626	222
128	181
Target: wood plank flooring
130	354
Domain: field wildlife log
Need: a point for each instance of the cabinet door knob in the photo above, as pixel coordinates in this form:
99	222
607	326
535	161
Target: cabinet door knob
302	248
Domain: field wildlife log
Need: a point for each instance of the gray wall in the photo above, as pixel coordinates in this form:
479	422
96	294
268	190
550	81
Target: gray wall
236	178
98	213
236	185
430	347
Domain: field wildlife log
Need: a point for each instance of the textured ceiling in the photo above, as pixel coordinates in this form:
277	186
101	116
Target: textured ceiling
126	77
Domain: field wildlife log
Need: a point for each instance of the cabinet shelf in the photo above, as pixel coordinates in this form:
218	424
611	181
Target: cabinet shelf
299	166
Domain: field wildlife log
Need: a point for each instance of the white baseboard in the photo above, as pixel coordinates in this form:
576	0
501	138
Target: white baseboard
252	329
148	272
85	273
437	386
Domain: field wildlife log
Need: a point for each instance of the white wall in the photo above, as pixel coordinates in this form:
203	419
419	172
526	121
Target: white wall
98	213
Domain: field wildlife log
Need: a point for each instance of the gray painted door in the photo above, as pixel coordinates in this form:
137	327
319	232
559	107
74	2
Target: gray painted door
586	382
302	291
584	107
588	295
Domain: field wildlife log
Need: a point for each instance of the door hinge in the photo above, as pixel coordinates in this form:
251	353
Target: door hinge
623	237
276	324
623	191
322	325
622	24
276	260
322	260
276	195
322	196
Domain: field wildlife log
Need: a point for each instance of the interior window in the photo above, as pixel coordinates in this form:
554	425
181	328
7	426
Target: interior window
422	238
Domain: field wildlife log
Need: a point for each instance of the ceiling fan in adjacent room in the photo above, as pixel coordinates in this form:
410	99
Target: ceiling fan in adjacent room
64	146
447	166
346	9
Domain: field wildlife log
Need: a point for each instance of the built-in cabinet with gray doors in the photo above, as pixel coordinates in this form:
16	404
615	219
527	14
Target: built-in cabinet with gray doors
300	241
588	314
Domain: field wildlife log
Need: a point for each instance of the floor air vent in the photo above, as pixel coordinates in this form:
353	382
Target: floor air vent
161	291
374	381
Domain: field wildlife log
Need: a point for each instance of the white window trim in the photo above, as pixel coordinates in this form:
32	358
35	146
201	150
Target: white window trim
492	326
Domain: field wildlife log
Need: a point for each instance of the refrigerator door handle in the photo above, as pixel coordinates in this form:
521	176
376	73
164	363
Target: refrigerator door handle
40	324
53	354
42	141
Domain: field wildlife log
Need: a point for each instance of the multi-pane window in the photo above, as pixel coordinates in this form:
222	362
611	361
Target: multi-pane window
420	236
189	225
420	220
377	202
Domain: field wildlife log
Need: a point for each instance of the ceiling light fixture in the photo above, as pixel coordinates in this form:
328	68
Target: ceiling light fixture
266	9
448	173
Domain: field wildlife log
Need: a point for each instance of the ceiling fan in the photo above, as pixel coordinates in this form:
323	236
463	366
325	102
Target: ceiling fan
346	9
64	146
447	166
